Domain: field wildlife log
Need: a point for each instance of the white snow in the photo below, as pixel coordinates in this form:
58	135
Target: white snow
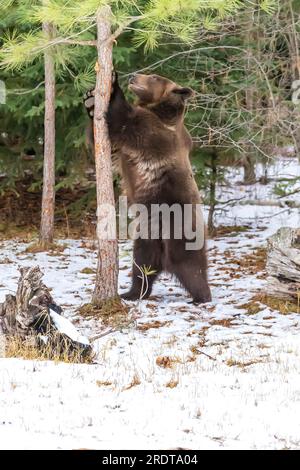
65	326
235	376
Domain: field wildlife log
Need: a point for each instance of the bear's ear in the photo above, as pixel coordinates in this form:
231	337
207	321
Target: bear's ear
185	92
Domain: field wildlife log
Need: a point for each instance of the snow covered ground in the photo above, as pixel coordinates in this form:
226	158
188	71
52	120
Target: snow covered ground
179	376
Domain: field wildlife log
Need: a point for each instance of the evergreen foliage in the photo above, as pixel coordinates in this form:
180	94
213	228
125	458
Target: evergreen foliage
202	44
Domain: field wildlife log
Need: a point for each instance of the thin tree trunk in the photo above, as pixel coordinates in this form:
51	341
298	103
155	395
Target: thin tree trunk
48	199
212	195
107	270
293	46
249	167
248	160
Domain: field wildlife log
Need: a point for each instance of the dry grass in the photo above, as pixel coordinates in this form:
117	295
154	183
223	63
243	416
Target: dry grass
260	301
172	383
103	383
30	349
252	307
255	262
88	271
248	264
54	248
242	365
167	362
225	322
134	382
283	306
230	230
112	313
152	324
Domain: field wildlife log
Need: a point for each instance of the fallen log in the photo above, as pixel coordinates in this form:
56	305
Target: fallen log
33	315
283	264
289	204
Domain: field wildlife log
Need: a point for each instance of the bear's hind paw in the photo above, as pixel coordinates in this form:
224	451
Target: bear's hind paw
130	296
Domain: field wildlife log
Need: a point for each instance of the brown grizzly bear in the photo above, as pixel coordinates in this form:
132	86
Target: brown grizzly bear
153	146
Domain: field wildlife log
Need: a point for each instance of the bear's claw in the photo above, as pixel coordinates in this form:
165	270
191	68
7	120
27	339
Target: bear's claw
89	101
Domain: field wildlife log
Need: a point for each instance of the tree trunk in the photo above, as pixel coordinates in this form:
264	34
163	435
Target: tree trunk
107	270
248	160
249	167
293	46
48	199
212	194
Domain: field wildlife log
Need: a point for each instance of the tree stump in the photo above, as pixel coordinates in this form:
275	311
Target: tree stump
283	264
33	315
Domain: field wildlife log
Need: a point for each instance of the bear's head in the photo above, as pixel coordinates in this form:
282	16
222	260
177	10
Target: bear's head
152	89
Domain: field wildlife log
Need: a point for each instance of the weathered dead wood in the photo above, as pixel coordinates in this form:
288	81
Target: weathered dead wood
32	313
283	264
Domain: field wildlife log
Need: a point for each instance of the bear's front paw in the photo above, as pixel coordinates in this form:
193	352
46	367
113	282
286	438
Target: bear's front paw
114	81
89	102
114	77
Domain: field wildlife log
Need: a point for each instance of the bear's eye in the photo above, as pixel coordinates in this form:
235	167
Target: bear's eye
155	77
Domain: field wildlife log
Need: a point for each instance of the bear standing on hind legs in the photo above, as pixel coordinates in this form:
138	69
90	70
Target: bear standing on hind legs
153	147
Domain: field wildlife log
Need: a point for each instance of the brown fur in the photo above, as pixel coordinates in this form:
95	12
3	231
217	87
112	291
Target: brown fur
154	145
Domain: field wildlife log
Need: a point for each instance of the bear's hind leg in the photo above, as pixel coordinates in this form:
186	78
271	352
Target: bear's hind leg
193	279
190	268
147	256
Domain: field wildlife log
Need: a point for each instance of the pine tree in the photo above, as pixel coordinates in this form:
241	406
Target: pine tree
48	199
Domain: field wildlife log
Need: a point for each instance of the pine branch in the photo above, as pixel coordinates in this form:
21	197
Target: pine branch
73	42
123	26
